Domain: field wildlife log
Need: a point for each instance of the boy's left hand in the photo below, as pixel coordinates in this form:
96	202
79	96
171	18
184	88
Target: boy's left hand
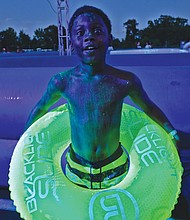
176	141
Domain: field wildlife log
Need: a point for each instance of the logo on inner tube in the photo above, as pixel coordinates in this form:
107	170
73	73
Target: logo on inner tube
113	203
150	146
38	169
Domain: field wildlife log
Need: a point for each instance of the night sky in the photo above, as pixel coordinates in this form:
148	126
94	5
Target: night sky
28	15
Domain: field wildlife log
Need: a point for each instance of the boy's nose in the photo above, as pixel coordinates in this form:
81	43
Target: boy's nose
88	37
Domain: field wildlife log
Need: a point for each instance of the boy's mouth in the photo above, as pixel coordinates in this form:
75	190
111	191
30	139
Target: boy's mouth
90	48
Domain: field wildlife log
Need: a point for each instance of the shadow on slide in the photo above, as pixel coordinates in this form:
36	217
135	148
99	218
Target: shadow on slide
182	209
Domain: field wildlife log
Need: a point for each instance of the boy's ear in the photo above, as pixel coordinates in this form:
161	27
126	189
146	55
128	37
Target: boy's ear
70	42
110	39
71	46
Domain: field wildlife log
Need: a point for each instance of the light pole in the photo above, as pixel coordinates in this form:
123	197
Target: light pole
63	15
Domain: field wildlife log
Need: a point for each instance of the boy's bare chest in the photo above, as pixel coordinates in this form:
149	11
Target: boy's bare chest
97	92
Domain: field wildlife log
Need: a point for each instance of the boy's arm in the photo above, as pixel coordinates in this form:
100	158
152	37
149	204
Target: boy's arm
51	96
140	97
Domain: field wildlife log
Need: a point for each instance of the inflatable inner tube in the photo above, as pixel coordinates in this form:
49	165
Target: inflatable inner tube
186	46
40	189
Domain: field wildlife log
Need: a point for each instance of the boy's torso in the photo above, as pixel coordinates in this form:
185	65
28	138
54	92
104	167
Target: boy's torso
95	104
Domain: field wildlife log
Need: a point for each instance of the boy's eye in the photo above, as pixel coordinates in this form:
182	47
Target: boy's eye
79	33
97	30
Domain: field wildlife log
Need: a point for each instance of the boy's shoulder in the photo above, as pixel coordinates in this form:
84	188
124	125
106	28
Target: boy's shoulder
59	80
65	74
123	74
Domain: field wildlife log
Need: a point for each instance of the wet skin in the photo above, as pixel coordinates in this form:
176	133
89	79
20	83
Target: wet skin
95	92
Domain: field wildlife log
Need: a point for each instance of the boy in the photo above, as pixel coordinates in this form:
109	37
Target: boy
95	92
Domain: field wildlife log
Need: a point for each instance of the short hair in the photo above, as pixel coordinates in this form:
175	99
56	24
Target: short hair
90	9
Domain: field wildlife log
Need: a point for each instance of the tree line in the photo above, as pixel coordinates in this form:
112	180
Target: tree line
43	38
166	31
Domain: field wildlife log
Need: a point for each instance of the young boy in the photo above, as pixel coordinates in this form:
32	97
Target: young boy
95	92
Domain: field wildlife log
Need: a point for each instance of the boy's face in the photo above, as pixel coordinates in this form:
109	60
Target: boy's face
90	38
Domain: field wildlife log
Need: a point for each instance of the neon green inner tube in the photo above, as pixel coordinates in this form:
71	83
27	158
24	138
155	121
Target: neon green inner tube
40	189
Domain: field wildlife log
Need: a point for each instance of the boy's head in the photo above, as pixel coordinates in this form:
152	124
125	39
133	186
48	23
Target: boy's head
90	9
90	32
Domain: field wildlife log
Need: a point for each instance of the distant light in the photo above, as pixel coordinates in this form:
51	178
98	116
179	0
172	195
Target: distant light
11	98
